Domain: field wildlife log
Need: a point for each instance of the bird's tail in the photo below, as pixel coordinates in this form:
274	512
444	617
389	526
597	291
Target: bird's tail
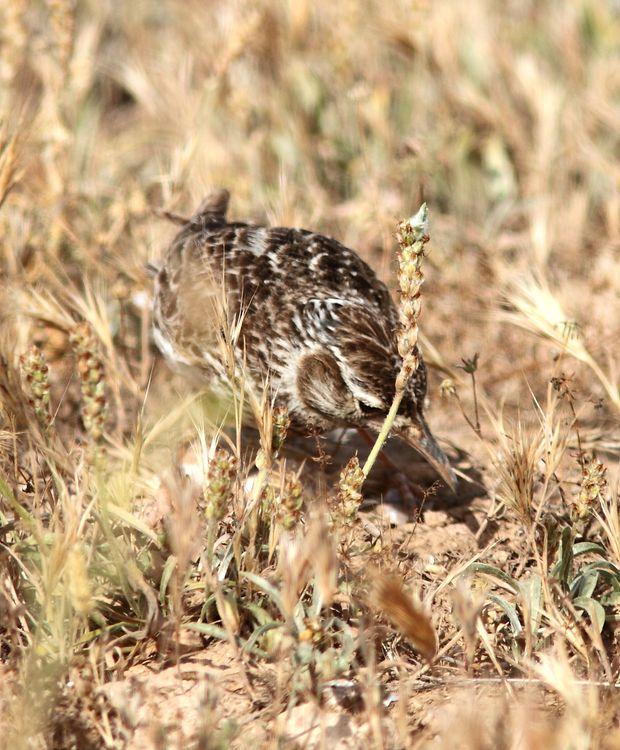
214	206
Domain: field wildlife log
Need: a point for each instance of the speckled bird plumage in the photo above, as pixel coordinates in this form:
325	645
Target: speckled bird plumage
314	322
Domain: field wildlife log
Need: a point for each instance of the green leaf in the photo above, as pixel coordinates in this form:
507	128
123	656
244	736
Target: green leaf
584	584
251	642
8	495
493	572
611	600
604	566
584	548
299	616
108	629
130	520
213	631
169	567
348	640
259	613
208	602
511	613
562	570
266	587
595	610
531	593
222	568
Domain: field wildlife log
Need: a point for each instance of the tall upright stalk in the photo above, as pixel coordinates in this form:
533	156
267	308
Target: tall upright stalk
412	237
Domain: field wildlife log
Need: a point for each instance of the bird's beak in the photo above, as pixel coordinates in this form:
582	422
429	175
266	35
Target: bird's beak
421	438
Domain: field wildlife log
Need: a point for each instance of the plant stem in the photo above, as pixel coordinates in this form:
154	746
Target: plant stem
412	236
476	413
383	435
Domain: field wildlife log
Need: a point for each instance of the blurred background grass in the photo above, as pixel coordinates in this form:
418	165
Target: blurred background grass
336	116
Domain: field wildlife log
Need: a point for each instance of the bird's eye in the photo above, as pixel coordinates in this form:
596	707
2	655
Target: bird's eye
370	411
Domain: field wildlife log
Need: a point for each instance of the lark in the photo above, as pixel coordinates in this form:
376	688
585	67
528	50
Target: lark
307	319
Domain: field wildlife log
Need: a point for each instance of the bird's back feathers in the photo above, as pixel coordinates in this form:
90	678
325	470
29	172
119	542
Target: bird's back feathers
300	298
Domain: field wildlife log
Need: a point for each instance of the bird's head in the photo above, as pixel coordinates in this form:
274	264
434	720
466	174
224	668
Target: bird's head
411	427
361	396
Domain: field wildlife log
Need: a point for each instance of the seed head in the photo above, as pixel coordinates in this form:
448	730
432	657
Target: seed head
291	502
593	486
350	489
78	583
281	423
91	370
312	631
219	488
470	365
447	388
62	21
563	386
412	235
405	612
35	374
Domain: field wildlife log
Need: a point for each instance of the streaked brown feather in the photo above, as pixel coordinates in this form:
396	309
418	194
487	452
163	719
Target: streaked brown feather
316	322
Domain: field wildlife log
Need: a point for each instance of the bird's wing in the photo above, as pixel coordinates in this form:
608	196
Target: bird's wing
334	267
361	340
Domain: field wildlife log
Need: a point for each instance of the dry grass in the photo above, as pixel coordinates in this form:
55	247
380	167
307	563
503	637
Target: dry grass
142	529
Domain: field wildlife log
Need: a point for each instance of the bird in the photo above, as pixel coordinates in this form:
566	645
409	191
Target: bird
310	321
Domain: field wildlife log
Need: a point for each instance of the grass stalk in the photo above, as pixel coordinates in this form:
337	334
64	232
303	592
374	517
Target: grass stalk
412	237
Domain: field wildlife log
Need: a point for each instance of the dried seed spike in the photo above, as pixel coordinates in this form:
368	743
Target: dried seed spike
78	582
593	486
324	559
10	173
35	372
281	424
412	236
219	488
350	489
405	613
62	21
91	369
14	40
291	501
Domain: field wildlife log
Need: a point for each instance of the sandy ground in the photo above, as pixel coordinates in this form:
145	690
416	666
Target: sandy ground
214	692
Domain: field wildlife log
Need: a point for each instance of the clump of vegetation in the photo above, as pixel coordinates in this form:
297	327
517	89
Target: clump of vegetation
170	575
